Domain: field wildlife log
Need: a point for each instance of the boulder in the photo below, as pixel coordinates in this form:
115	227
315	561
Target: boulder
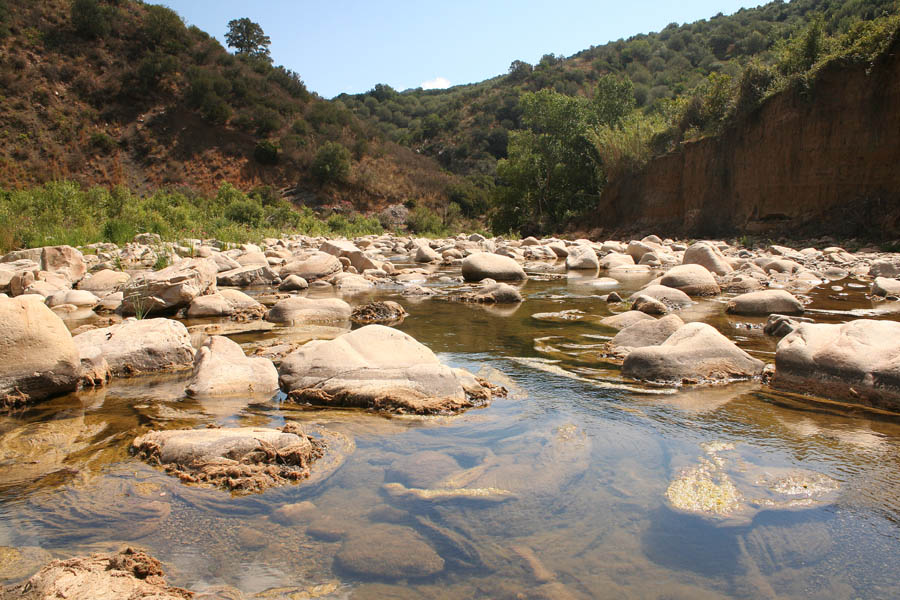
781	325
694	353
388	312
82	299
693	280
65	261
380	368
424	254
625	319
387	551
212	305
104	282
317	265
582	258
885	268
648	305
246	276
128	573
615	259
651	332
298	310
253	258
171	288
141	346
484	265
293	283
241	459
707	255
221	368
637	249
671	297
39	357
857	361
884	287
493	292
765	302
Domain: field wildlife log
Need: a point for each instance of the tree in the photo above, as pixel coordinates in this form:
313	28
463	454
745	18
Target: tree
248	38
613	100
332	163
90	19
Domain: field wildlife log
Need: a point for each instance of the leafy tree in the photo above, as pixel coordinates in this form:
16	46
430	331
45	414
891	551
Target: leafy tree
91	20
332	163
614	98
519	70
248	38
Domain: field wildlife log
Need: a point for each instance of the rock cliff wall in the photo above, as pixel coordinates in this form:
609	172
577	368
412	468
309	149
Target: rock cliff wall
825	159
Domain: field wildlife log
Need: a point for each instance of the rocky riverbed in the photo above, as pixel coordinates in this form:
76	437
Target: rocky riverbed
465	417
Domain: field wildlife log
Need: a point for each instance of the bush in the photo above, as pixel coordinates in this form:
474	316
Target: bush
246	212
102	143
90	19
332	163
266	152
423	220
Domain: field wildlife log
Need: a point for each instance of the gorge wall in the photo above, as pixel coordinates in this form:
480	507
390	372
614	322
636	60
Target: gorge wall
824	160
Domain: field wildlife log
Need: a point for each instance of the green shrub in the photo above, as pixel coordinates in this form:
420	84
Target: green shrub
423	221
90	19
332	163
245	211
266	152
102	143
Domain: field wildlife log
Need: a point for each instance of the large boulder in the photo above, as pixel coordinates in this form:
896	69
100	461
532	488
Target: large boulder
65	261
379	368
764	302
625	319
171	288
245	276
857	361
39	356
141	346
298	310
582	258
241	459
128	573
693	280
221	368
693	354
318	265
485	265
671	297
652	332
884	287
708	255
104	282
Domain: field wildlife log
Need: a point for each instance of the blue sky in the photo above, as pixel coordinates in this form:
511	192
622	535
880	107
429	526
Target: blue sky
350	45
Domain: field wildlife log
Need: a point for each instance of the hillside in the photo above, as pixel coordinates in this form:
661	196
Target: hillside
117	92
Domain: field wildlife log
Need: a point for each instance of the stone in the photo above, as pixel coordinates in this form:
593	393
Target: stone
625	319
94	368
299	310
424	254
883	287
648	305
253	258
582	258
65	261
293	514
240	459
81	299
388	552
781	325
248	275
317	265
858	361
104	282
696	352
671	297
212	305
764	302
293	283
637	249
693	280
615	259
141	346
493	292
171	288
128	573
379	368
39	357
387	312
707	255
651	332
484	265
221	368
885	268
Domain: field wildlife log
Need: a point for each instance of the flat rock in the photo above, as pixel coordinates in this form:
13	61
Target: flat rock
379	368
104	282
141	346
388	552
246	276
318	265
299	310
765	302
694	353
651	332
625	319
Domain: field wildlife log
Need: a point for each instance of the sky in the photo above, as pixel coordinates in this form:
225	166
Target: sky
350	45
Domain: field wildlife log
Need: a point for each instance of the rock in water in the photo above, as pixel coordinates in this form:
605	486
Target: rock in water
221	368
141	346
388	312
694	353
380	368
243	459
582	258
765	302
857	361
484	265
39	357
299	310
691	279
651	332
388	552
128	573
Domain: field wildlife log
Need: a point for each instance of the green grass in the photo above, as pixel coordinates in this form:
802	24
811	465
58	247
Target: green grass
65	213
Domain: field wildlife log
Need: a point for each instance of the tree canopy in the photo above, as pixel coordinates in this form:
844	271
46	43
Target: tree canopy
247	37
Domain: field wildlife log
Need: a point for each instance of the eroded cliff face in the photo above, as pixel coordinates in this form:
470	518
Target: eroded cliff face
815	161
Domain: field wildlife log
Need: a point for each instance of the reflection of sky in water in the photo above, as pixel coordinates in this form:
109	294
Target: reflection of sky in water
586	456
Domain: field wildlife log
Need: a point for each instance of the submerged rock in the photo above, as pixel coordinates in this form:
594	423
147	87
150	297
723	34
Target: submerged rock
221	368
694	353
141	346
388	552
128	573
484	265
243	459
39	357
387	312
493	292
380	368
857	361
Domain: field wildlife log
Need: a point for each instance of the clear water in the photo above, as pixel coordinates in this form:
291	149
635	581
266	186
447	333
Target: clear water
586	457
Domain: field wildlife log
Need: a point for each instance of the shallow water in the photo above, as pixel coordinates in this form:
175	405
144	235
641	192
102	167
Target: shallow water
583	457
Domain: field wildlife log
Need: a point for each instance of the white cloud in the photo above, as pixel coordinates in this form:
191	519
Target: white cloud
438	83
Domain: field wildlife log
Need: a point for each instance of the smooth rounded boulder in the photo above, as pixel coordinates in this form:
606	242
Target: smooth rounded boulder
317	265
884	287
379	368
222	369
708	256
693	354
857	362
693	280
39	357
764	302
486	265
141	346
652	332
298	310
171	288
582	258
